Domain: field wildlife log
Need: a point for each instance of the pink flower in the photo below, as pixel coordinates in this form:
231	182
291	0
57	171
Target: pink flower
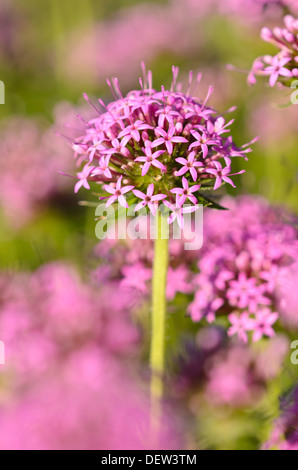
262	324
151	159
82	176
222	174
202	141
136	277
103	168
277	69
131	127
118	193
178	211
283	67
167	138
177	281
117	147
186	192
189	165
132	131
240	325
148	199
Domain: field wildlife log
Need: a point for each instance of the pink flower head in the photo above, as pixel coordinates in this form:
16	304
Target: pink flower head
148	134
277	69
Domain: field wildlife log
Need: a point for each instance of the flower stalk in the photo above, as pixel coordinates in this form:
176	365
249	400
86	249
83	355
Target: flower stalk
159	282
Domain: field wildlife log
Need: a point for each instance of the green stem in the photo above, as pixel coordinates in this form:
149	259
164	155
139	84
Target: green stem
157	351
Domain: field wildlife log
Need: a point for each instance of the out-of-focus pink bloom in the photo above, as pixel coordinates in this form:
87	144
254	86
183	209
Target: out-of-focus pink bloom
186	192
45	315
148	199
284	435
243	269
65	384
178	281
262	325
231	381
89	402
30	168
287	296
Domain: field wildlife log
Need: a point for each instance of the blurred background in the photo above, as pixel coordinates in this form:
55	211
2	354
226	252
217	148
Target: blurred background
50	53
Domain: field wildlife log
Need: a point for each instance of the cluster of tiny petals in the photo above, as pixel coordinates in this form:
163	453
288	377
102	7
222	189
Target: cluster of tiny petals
283	67
141	145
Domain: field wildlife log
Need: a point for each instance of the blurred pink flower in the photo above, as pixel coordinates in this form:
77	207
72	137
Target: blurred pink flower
89	402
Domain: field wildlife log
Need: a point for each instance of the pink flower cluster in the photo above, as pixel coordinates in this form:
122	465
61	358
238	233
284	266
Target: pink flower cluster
157	146
246	253
45	315
239	268
283	67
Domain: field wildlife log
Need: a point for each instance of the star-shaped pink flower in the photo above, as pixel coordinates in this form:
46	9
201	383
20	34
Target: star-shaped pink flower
82	176
189	165
117	193
186	192
148	199
277	69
